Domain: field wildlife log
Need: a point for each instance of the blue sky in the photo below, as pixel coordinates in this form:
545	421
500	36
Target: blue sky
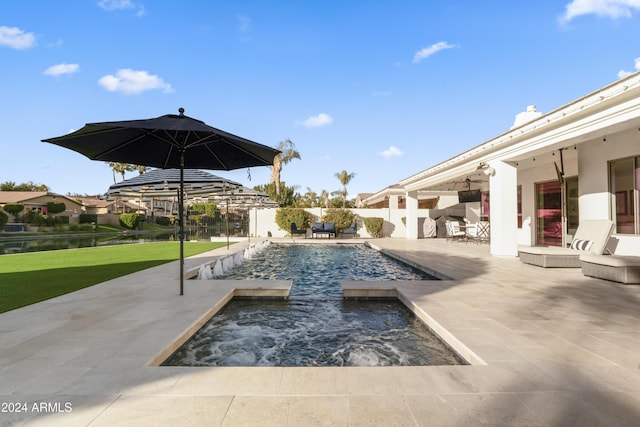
382	89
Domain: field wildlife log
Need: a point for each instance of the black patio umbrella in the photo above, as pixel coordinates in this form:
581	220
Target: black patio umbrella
169	141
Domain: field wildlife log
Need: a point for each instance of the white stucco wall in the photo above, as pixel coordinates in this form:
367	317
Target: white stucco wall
262	221
594	182
590	163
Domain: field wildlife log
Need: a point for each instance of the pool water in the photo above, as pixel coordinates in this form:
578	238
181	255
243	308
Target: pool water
316	326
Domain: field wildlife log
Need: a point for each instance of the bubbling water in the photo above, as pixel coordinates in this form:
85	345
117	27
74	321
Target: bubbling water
316	326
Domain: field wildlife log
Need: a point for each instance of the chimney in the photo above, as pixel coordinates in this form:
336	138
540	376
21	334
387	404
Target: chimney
526	116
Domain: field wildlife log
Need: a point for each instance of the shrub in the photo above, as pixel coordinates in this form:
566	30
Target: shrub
34	218
86	218
163	220
80	227
14	209
342	217
374	226
55	208
3	220
129	220
285	216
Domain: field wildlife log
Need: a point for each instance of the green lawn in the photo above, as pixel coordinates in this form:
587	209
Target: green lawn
36	276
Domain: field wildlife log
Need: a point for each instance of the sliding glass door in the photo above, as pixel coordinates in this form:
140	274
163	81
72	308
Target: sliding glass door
551	207
549	213
624	183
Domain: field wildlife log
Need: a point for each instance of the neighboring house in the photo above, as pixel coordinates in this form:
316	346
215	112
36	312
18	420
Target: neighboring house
538	180
98	206
37	201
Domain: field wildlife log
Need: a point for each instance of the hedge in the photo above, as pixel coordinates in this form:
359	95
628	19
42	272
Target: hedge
374	226
129	220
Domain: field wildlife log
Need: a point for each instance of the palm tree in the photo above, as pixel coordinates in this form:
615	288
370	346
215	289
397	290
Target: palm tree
120	168
287	153
344	177
311	197
324	195
141	169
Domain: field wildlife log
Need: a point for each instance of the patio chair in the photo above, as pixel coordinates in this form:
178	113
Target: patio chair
483	231
617	268
295	230
591	237
351	230
454	232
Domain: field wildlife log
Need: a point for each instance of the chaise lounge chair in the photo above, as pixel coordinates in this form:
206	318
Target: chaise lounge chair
591	237
617	268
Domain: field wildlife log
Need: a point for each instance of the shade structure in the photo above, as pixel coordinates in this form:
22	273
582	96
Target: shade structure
166	183
169	141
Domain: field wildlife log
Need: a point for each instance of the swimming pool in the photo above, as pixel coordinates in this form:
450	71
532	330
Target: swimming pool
316	326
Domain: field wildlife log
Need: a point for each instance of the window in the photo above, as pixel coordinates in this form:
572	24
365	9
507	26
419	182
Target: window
624	184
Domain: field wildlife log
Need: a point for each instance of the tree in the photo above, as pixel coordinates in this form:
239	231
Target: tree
285	216
324	196
13	209
3	219
55	208
344	177
287	196
120	168
208	209
288	153
28	186
310	198
141	169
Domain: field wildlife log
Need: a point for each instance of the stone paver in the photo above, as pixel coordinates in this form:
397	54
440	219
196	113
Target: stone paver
553	348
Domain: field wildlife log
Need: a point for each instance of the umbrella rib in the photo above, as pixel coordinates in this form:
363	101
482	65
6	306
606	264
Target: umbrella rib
169	141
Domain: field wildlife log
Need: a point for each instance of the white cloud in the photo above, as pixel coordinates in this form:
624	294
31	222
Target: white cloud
244	23
133	82
57	43
321	119
110	5
613	9
113	5
391	152
624	73
57	70
428	51
16	38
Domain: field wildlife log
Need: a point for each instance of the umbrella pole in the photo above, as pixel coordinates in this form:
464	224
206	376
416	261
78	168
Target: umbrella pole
181	221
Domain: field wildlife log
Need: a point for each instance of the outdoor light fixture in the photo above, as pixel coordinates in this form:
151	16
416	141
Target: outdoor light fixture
484	167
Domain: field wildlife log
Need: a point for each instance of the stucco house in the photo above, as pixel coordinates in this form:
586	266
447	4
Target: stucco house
37	201
535	182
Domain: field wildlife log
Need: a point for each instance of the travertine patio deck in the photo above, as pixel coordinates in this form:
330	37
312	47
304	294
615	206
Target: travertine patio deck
560	349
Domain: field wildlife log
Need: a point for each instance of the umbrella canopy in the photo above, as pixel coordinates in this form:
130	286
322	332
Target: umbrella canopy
164	142
169	141
166	183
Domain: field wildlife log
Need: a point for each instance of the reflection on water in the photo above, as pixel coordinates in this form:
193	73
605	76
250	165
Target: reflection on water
316	326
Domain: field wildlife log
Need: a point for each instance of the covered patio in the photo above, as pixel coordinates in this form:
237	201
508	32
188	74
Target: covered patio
548	172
